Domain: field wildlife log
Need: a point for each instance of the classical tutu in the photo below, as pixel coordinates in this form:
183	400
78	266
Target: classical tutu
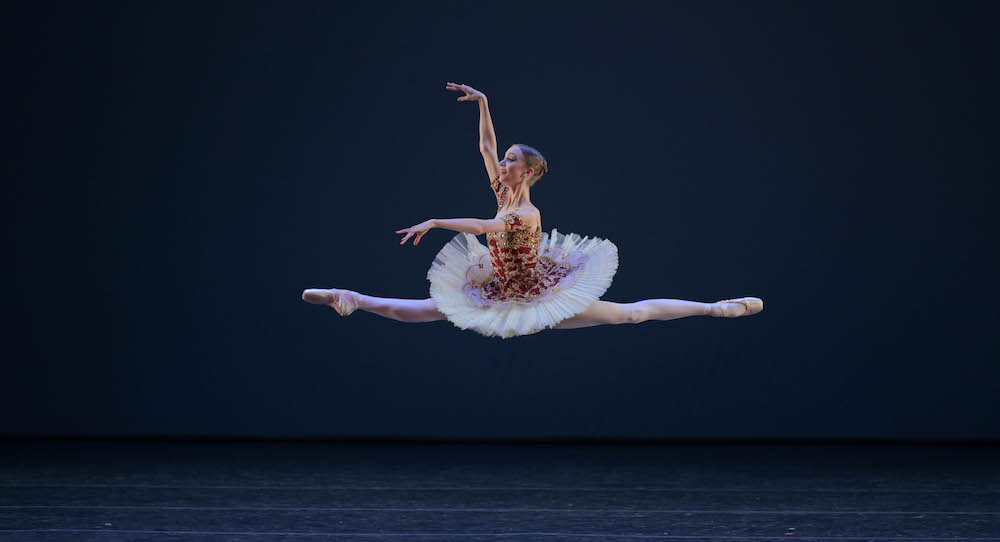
569	273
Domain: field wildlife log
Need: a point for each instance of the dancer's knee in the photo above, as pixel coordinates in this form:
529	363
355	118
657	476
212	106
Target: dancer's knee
600	313
609	312
635	313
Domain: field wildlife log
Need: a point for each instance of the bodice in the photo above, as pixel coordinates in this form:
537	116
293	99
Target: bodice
513	253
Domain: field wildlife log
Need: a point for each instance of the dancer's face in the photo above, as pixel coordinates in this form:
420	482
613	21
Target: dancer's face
512	167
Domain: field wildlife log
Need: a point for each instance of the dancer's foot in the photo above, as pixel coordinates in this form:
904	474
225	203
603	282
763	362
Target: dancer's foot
731	308
343	301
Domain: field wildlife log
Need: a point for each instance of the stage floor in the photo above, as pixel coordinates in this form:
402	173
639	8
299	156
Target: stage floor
163	490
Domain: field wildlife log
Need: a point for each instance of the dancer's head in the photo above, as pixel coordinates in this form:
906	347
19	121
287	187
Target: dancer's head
523	164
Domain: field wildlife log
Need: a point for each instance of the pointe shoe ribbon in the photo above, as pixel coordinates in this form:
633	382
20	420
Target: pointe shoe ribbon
753	306
347	302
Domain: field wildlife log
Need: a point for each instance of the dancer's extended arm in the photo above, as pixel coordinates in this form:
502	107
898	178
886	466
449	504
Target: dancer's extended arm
487	135
475	226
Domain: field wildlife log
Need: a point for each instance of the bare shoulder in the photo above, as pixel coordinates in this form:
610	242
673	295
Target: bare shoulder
530	215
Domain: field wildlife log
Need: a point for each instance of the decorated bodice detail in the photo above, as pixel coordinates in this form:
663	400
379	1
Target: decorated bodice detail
518	272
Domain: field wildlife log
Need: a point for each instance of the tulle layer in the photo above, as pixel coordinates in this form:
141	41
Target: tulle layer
462	265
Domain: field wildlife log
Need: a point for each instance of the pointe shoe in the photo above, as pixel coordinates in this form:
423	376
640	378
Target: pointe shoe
730	308
343	301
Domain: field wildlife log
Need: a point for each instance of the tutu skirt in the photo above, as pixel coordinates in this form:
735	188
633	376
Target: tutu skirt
576	272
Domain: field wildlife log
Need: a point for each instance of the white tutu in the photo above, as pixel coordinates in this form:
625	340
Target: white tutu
463	264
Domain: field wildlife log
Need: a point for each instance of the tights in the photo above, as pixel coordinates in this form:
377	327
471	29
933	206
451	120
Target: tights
598	313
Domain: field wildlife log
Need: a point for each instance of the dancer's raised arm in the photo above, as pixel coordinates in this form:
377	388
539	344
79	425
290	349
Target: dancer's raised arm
487	136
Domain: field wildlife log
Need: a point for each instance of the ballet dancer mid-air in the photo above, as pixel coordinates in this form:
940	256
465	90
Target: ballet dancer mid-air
525	280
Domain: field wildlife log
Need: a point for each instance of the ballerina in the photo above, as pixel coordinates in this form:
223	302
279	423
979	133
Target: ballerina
525	280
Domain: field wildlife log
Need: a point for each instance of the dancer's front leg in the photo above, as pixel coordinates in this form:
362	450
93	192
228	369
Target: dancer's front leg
671	309
347	301
404	310
602	312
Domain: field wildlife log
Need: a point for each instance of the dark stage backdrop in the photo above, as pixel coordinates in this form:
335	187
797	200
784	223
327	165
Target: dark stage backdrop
177	173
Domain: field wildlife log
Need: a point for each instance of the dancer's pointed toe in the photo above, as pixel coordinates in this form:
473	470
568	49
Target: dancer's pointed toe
343	301
317	296
733	308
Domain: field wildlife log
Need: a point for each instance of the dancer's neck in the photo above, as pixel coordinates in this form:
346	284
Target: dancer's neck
518	196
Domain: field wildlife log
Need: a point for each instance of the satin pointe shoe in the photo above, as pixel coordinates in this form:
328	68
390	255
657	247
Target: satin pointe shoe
732	308
343	301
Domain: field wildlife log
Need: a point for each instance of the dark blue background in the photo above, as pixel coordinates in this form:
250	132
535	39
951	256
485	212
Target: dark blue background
178	172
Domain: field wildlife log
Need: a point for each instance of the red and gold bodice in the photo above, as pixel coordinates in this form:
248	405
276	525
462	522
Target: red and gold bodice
519	273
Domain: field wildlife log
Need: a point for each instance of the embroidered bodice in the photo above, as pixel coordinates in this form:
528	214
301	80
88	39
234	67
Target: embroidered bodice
514	251
519	273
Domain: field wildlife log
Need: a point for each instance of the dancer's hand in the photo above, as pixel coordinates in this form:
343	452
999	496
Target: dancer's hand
470	93
419	230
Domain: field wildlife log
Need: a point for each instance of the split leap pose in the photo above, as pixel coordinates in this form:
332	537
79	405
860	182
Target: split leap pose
525	280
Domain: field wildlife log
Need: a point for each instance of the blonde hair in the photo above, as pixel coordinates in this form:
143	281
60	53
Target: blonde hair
534	160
